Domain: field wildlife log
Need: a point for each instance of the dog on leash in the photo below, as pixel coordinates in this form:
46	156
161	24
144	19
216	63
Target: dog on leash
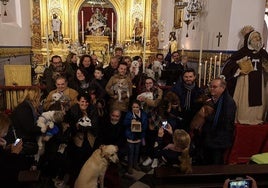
95	167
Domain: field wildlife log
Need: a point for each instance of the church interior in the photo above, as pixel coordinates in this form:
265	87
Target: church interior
215	36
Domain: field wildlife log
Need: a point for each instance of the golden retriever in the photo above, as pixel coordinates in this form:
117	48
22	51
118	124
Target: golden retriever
95	167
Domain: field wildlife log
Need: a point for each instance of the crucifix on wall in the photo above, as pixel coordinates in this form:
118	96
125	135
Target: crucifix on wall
219	38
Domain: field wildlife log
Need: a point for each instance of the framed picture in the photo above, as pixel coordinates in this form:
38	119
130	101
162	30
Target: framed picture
135	126
178	17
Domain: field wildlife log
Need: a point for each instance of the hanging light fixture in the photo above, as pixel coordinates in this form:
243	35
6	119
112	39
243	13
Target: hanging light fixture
4	2
181	4
194	8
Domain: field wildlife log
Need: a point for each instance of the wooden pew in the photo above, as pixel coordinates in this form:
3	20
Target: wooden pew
209	176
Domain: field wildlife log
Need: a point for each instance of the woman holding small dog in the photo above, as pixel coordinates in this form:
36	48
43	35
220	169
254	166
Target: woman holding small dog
83	121
136	123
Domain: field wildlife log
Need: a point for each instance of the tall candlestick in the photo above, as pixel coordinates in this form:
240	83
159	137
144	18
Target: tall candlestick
215	67
182	49
144	49
46	33
219	69
200	59
210	70
83	37
205	73
70	25
112	27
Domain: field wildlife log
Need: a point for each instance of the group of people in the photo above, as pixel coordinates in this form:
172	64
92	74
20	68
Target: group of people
123	106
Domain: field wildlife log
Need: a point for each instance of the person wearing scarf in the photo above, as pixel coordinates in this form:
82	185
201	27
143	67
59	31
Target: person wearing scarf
218	129
188	93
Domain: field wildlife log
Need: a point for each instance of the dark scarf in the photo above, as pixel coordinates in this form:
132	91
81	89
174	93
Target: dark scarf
218	110
189	88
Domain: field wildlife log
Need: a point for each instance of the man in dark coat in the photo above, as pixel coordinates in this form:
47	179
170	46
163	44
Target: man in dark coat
218	129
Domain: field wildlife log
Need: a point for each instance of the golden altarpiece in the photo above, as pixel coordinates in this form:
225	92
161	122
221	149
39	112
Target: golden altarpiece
58	27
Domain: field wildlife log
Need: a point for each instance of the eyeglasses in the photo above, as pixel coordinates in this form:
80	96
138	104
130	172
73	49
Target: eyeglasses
148	82
213	86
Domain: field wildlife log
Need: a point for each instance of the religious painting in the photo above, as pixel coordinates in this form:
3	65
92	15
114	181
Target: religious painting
178	18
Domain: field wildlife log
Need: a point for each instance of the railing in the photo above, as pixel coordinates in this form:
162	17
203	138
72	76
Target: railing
10	95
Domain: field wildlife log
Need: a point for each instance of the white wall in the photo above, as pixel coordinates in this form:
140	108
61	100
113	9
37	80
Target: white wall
225	16
16	25
165	14
245	12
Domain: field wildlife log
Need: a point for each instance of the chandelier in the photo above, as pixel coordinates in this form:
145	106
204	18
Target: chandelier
194	8
181	4
4	2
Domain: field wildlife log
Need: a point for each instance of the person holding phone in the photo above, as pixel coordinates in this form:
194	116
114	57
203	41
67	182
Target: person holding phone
11	161
248	182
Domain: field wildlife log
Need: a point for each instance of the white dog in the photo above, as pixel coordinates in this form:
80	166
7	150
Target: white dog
146	95
134	68
120	87
95	167
45	121
157	69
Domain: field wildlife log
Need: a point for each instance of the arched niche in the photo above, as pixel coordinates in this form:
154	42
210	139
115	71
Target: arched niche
119	13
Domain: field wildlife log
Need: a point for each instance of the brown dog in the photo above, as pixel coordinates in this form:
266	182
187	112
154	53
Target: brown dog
95	167
200	117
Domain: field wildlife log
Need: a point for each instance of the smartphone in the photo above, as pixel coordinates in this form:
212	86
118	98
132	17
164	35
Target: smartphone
17	141
241	183
164	124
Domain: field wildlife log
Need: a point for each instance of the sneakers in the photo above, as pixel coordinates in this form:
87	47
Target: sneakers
155	163
147	162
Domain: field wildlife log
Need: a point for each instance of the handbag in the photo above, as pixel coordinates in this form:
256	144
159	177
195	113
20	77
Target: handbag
29	175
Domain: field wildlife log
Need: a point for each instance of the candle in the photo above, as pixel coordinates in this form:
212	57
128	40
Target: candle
219	68
82	15
215	67
112	28
46	33
144	49
70	25
182	49
210	70
205	73
200	59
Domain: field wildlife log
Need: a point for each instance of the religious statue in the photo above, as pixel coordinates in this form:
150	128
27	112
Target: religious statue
244	73
172	46
137	30
56	26
97	24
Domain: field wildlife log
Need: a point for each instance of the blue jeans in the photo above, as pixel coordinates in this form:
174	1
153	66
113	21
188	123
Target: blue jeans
133	153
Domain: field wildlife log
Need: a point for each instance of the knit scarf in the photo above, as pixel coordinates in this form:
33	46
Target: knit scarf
218	110
189	88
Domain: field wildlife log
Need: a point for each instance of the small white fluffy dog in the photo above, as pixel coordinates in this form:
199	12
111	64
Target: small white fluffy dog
157	68
146	95
45	121
134	68
95	167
